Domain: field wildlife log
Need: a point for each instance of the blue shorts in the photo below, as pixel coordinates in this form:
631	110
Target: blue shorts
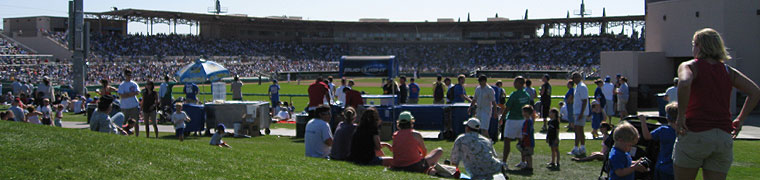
595	123
180	132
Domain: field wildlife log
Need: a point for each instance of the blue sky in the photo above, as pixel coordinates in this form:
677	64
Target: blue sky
337	10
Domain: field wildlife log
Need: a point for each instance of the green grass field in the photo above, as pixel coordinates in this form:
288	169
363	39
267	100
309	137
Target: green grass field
288	88
42	152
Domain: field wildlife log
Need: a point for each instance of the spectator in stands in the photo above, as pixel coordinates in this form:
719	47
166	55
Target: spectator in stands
514	119
476	152
409	151
439	90
403	93
484	103
704	127
16	87
149	107
318	138
460	94
546	99
343	135
366	145
128	91
414	92
237	88
580	113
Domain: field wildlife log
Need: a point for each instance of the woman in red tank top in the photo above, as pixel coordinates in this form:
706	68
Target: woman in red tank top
704	125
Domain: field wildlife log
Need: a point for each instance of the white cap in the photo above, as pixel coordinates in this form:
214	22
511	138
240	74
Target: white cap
473	123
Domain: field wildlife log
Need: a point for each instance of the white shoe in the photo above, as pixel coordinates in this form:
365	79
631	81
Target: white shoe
582	151
520	165
573	152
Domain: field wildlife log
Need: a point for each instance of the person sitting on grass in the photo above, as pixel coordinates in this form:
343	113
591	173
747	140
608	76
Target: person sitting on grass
100	121
552	137
216	139
620	162
365	145
666	136
318	138
6	116
527	142
344	133
409	152
179	118
19	114
606	144
597	117
476	152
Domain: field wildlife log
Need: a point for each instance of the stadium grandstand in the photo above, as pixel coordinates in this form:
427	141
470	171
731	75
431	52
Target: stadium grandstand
256	46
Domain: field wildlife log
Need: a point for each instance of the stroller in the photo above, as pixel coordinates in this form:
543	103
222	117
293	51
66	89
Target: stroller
645	149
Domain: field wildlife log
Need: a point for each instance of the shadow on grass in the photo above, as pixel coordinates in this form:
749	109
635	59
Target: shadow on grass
174	137
296	140
519	172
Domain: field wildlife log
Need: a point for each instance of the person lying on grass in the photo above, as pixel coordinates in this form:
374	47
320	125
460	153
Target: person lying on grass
216	140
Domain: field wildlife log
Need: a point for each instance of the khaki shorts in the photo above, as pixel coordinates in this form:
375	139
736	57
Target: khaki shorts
711	150
621	104
581	121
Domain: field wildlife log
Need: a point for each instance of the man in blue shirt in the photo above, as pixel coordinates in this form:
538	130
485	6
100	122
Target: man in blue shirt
460	95
414	92
191	92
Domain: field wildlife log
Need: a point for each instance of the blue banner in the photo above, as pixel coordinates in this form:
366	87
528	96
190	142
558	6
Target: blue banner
368	66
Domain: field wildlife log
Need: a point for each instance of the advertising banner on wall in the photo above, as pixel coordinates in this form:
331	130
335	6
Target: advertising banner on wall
368	66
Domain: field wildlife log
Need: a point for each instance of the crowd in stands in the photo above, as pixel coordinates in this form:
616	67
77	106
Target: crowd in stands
9	48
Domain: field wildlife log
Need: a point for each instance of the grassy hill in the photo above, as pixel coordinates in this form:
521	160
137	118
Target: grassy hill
38	152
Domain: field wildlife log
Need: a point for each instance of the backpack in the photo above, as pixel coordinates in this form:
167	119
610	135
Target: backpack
438	91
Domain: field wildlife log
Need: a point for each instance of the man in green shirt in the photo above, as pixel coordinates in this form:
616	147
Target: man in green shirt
514	119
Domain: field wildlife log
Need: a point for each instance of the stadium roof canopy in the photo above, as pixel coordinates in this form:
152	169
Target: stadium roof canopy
140	15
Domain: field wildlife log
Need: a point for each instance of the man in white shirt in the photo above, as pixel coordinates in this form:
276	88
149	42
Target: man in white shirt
608	90
485	101
339	91
332	88
128	91
318	137
671	95
580	112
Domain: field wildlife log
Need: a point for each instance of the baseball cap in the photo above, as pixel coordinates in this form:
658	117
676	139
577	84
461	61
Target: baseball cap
607	78
473	123
405	117
220	127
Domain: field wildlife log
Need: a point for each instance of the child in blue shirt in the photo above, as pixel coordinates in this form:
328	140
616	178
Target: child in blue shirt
527	143
666	136
620	162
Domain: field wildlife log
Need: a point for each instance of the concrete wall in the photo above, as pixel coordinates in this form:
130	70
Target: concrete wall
45	45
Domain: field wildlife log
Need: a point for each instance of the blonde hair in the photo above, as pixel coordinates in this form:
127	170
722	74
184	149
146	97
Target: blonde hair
672	111
710	45
349	114
625	132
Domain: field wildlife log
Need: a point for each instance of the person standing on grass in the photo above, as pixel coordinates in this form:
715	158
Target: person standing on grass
414	92
165	93
409	151
390	88
274	95
580	113
339	92
365	144
608	90
449	92
179	118
552	137
569	104
318	138
237	88
149	106
460	94
484	103
331	87
599	95
403	93
317	92
623	95
191	93
46	88
704	127
546	99
671	94
501	98
344	133
439	91
476	152
128	91
531	91
514	121
665	136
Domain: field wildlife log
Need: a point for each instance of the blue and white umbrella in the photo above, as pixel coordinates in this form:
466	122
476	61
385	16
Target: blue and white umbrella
201	71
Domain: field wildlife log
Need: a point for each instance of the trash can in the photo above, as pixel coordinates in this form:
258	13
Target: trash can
90	110
301	120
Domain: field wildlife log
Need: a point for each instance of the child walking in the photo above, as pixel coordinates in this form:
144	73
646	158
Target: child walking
179	118
526	144
597	117
552	137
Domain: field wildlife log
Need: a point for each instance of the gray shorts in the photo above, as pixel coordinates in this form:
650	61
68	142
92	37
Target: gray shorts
581	121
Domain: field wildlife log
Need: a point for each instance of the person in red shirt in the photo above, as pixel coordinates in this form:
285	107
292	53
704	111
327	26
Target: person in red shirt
353	98
317	92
